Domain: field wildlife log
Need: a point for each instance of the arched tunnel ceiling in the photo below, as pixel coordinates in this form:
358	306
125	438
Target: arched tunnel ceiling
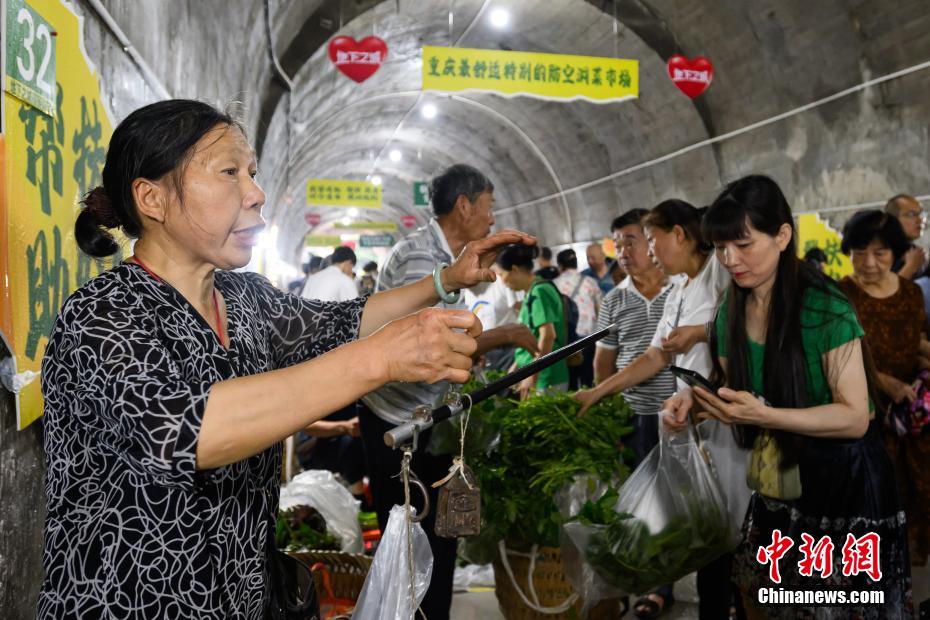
770	56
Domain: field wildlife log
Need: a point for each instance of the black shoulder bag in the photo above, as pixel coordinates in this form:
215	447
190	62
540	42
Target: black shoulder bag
290	589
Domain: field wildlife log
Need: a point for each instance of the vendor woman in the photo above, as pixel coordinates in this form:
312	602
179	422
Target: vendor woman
171	379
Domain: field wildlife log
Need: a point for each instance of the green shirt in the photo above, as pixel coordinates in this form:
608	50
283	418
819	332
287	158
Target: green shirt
827	322
543	304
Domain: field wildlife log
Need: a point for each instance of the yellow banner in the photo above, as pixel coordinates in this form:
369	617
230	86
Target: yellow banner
338	193
322	241
49	163
367	226
545	76
814	232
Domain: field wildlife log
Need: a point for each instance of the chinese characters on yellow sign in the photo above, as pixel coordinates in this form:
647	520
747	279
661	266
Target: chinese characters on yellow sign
546	76
815	233
338	193
50	161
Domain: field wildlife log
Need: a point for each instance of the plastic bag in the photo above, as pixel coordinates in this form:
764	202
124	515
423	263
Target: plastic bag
729	463
320	489
386	593
669	519
473	576
591	587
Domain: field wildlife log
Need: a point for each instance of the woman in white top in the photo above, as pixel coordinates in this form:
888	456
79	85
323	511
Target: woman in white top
673	230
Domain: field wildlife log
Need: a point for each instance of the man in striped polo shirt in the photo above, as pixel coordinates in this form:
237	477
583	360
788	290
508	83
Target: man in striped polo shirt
636	304
461	198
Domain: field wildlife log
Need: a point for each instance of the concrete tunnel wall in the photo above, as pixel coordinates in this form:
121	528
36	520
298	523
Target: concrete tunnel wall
770	56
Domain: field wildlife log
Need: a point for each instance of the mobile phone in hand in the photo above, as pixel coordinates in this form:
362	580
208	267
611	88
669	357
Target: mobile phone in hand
692	378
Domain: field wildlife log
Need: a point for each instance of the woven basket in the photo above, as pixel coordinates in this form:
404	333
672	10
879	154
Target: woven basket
550	584
347	571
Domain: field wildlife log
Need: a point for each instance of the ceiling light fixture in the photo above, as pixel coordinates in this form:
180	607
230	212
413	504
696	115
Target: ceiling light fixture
395	155
429	111
376	180
500	18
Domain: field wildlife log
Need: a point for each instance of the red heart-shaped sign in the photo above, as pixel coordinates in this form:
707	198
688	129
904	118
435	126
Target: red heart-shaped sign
312	219
409	221
358	60
692	77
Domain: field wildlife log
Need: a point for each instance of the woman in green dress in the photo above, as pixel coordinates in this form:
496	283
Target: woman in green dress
787	347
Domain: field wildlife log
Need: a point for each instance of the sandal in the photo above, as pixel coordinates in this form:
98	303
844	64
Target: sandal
647	607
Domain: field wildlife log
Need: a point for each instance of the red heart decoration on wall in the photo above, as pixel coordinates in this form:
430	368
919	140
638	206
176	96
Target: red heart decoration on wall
358	60
692	77
409	221
312	219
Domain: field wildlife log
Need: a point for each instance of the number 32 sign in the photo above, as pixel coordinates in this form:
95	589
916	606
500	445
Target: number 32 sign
30	56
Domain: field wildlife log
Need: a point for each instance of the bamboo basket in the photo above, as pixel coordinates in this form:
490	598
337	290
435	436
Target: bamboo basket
347	572
550	585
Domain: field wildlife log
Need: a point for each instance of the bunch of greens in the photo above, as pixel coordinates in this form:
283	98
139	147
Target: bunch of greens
542	446
626	555
302	528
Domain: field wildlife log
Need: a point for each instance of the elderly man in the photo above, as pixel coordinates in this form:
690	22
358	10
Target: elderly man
911	215
598	269
461	198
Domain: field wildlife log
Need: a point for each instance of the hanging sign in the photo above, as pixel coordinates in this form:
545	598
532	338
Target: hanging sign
409	221
366	225
339	193
421	193
813	232
357	60
545	76
375	241
52	157
322	241
312	219
692	77
29	74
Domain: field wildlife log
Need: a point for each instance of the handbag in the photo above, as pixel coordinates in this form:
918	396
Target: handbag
912	418
766	473
290	589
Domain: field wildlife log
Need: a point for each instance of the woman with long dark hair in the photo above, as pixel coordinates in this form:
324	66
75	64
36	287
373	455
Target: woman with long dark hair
787	349
171	380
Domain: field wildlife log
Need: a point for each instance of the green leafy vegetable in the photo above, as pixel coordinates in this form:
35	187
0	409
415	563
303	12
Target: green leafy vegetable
301	528
625	554
540	446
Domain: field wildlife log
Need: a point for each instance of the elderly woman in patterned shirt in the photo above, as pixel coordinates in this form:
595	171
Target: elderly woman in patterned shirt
170	380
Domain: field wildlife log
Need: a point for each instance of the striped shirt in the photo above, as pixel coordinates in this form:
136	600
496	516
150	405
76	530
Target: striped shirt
638	318
411	259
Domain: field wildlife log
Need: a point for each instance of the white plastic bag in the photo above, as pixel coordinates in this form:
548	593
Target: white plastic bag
320	489
386	593
669	519
730	463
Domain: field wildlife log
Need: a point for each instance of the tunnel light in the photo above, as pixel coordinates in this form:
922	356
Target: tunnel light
429	111
376	180
395	155
500	18
353	212
346	221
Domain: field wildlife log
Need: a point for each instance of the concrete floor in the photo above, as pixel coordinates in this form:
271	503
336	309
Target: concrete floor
483	606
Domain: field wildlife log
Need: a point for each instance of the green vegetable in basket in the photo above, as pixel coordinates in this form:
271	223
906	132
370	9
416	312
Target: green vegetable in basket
625	554
303	527
542	446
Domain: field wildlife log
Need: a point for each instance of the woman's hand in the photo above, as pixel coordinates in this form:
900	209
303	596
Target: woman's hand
587	398
677	407
351	428
898	390
732	407
682	339
526	388
426	346
473	265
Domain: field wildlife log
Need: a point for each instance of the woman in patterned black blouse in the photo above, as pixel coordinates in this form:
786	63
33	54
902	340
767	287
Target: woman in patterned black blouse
171	380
